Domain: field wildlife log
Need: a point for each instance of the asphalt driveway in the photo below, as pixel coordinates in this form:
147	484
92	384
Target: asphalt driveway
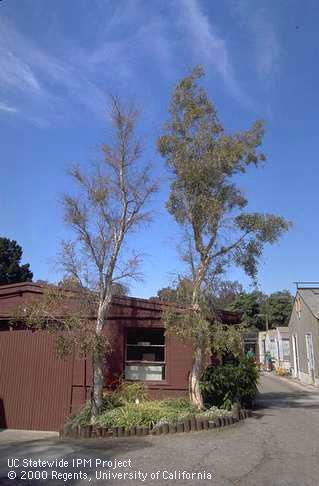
278	446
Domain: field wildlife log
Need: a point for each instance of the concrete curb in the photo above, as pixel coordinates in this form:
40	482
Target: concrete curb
185	426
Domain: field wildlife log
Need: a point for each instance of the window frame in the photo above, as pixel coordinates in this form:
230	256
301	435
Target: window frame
163	381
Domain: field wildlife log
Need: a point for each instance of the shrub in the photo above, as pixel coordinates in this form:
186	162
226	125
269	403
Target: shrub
81	417
120	410
147	413
129	392
125	393
223	384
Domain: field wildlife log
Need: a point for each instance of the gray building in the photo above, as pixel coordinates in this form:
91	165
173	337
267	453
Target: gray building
304	335
276	342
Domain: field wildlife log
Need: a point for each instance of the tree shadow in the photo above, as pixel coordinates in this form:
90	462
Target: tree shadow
278	399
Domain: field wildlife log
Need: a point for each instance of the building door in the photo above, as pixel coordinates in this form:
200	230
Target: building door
310	357
295	356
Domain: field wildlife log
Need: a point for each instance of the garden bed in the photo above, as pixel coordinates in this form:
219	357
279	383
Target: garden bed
128	411
193	424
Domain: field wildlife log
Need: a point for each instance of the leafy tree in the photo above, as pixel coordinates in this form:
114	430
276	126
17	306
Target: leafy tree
259	311
279	307
67	313
11	270
220	296
110	204
224	293
166	294
205	201
180	294
251	307
72	283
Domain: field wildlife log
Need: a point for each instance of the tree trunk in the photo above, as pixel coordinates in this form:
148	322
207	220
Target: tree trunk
195	393
98	382
98	361
194	377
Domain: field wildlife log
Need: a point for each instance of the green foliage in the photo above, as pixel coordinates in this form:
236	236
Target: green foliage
203	160
129	392
83	416
222	293
120	410
227	339
224	384
180	293
257	308
205	201
124	396
66	314
11	270
279	307
148	413
190	325
251	309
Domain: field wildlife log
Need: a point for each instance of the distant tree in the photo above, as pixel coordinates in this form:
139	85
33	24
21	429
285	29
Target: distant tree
42	282
204	200
11	270
72	283
251	308
225	292
219	296
179	294
278	308
166	294
69	282
259	310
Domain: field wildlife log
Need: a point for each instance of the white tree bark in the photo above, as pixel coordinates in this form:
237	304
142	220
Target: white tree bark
194	377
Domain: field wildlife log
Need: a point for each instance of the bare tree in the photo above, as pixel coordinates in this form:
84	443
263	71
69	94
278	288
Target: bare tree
110	204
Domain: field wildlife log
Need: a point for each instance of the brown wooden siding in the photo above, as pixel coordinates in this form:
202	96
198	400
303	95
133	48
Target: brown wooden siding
35	386
38	390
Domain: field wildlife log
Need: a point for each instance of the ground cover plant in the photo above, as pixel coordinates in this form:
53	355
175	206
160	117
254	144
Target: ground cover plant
130	406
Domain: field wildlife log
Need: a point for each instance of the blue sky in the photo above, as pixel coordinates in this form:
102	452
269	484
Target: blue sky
58	62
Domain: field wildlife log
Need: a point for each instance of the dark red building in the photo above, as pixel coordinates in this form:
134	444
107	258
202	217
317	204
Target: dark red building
38	390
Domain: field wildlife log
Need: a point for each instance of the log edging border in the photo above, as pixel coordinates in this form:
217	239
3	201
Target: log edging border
184	426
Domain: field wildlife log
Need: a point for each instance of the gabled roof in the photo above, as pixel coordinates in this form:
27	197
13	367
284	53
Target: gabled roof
310	296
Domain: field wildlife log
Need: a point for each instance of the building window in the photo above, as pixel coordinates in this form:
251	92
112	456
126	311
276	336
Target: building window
145	354
286	349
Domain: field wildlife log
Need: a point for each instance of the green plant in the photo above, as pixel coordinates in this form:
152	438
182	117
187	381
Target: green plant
129	392
119	409
223	384
82	416
147	413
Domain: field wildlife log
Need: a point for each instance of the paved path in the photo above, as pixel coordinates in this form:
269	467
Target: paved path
278	446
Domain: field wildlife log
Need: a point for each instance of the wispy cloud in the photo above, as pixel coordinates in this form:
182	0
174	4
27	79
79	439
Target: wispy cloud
267	45
41	78
80	76
211	47
7	108
126	51
266	50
